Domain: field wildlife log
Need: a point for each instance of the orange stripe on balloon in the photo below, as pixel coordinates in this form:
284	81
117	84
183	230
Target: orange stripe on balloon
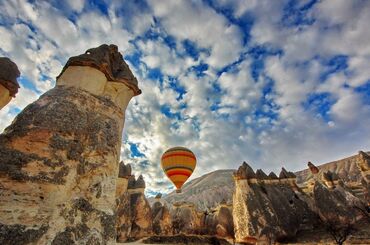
179	154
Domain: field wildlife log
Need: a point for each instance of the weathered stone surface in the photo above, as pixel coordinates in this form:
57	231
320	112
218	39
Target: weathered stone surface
162	223
134	214
336	205
364	166
267	211
245	172
109	61
124	170
59	165
219	221
186	218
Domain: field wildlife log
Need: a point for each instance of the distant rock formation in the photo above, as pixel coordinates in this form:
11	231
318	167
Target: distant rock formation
364	166
186	218
162	222
8	80
59	157
134	214
219	221
267	208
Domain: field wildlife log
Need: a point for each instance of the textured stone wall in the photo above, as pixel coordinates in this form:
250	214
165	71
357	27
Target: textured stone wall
59	162
267	208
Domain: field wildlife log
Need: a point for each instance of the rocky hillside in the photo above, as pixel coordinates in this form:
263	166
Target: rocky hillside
206	191
345	168
210	189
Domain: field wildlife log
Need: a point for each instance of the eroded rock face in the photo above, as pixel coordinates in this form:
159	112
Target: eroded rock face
267	209
219	221
8	80
162	223
134	215
186	219
364	166
59	165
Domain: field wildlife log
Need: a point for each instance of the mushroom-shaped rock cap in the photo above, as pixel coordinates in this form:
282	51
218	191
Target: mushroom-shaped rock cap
313	168
124	170
108	60
272	175
8	75
261	175
245	172
140	182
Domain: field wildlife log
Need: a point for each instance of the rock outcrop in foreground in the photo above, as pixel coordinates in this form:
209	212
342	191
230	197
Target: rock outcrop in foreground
8	80
59	157
134	215
267	208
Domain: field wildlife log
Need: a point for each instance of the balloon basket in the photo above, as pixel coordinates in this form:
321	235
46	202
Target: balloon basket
178	191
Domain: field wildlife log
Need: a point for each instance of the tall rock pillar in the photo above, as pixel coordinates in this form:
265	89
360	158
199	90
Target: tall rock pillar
59	157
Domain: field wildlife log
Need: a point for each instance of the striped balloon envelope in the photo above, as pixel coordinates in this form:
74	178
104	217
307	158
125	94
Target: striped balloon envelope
178	163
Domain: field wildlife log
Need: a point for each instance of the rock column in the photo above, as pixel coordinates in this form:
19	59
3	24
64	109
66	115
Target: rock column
59	157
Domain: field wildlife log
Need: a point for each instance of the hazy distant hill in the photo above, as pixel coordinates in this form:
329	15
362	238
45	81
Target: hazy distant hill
207	190
346	169
210	189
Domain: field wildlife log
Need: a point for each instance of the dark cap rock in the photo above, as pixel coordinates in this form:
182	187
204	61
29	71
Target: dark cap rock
245	172
140	182
272	175
313	168
124	170
261	175
8	75
108	60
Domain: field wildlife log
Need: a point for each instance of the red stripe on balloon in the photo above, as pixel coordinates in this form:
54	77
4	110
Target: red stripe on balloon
178	173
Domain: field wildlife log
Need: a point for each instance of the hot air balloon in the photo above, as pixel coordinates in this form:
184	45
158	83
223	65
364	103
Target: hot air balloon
178	163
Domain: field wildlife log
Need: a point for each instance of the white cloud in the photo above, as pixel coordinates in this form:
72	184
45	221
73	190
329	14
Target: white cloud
202	25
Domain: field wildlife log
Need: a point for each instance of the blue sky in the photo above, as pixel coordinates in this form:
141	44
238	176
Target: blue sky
274	83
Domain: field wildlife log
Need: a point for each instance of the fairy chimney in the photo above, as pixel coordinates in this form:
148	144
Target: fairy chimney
60	156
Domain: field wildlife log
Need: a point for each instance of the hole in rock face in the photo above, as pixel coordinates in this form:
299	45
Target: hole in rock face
41	197
87	52
290	202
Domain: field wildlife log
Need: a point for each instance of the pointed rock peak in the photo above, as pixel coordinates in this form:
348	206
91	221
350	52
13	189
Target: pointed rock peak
158	196
313	168
140	182
245	172
124	170
261	175
283	174
272	175
8	75
364	155
131	182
